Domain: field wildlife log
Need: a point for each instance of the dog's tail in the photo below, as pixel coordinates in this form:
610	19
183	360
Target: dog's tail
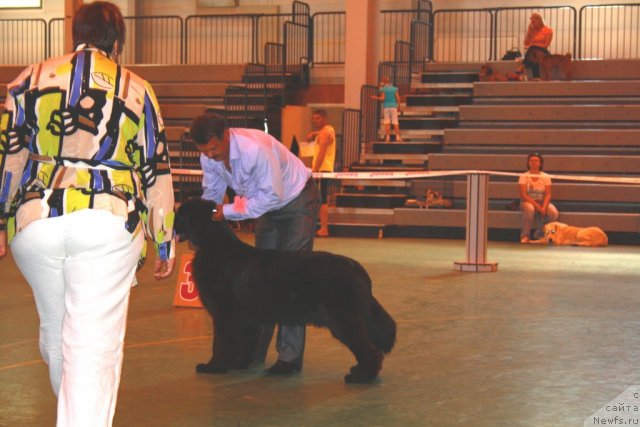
381	327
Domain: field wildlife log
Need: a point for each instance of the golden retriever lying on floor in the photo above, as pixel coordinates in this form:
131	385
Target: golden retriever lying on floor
563	234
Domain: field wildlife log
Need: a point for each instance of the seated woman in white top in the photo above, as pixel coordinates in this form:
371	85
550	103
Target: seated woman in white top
535	197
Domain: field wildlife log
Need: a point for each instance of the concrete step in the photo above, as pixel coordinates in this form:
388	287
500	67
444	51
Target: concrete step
575	113
406	147
437	100
408	122
365	200
449	77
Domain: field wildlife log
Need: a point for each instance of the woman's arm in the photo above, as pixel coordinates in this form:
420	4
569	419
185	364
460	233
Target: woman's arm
547	199
528	36
3	243
524	195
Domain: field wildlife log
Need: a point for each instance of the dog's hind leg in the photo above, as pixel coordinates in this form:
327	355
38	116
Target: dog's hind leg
381	327
351	331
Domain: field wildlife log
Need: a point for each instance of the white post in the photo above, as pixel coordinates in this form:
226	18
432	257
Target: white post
477	215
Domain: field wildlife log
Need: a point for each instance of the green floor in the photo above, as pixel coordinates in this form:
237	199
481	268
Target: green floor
547	340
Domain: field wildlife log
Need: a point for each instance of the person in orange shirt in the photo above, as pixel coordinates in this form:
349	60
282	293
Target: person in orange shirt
539	38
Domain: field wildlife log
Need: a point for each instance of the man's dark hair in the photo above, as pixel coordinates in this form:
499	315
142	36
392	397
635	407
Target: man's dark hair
100	24
321	112
206	126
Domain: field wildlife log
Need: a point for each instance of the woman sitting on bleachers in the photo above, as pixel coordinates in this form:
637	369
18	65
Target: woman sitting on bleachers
535	198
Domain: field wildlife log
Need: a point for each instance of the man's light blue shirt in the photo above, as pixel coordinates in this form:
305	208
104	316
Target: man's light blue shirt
263	171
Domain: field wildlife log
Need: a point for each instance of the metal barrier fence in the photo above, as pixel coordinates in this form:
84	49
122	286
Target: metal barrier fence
609	32
329	36
329	30
23	41
349	153
477	35
463	35
149	39
511	26
370	115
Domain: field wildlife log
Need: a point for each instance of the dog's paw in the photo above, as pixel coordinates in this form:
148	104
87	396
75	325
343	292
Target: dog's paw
359	378
207	368
359	375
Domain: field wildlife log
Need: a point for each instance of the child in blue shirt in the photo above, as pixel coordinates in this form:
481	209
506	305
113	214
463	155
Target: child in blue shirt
391	106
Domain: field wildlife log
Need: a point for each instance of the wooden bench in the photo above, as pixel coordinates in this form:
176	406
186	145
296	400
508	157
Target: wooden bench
544	137
557	88
551	113
545	141
225	73
607	69
560	163
610	222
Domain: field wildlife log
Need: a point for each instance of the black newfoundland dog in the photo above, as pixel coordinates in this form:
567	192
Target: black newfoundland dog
243	287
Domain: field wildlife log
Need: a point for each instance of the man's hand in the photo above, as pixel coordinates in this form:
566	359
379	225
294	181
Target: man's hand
3	243
217	214
163	269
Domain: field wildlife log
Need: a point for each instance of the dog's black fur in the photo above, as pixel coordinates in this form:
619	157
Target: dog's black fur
243	288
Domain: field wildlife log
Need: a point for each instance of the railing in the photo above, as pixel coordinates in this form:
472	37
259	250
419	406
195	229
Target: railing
471	35
476	35
370	115
462	35
610	31
296	44
349	152
220	39
149	39
421	42
395	25
329	35
23	41
511	24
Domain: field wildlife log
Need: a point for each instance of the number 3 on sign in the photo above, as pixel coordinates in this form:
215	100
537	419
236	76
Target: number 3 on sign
186	294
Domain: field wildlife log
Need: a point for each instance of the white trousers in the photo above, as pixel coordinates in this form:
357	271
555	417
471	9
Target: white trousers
80	267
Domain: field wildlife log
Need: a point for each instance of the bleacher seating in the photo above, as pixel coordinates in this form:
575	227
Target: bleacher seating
588	127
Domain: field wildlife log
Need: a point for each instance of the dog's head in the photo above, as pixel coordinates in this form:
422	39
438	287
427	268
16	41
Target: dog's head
550	229
192	218
485	72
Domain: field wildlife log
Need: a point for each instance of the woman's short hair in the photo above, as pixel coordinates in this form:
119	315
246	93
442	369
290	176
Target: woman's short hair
100	24
538	155
206	126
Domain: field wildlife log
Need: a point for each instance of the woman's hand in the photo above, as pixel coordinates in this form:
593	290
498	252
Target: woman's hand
163	269
3	243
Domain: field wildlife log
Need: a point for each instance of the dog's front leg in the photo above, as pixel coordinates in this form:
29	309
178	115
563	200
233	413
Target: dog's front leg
218	364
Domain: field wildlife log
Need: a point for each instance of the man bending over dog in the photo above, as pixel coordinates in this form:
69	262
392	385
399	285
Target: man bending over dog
272	185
